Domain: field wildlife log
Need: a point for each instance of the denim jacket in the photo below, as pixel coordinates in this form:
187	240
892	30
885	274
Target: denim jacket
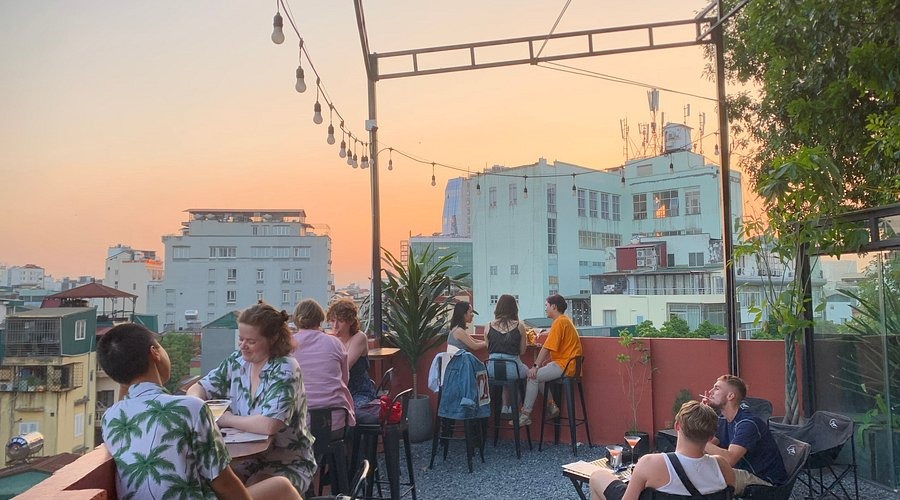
464	381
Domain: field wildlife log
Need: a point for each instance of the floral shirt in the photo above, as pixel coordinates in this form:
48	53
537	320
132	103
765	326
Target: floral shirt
279	395
164	446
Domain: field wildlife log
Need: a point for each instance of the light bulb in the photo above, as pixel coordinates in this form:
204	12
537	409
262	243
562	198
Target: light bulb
349	159
301	84
317	113
433	180
716	150
366	162
278	31
343	151
330	139
391	164
671	166
526	192
355	160
574	190
478	188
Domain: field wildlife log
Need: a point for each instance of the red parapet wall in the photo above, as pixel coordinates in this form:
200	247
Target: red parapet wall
91	477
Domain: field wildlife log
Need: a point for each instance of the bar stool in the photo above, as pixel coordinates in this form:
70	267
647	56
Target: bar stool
567	385
503	368
390	435
473	430
330	448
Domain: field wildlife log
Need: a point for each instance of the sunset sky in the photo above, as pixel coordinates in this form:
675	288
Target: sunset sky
118	116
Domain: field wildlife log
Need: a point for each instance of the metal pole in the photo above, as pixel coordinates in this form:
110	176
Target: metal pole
731	322
376	204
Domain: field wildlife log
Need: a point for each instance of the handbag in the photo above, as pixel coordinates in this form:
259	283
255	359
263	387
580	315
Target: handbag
369	413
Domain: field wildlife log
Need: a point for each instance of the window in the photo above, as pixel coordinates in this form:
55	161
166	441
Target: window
604	206
666	204
582	212
640	206
592	240
182	253
80	329
211	276
170	297
285	275
232	275
514	269
551	236
670	260
692	201
260	230
551	198
259	295
494	299
616	209
281	230
493	270
222	252
281	252
26	427
170	318
513	193
749	299
231	297
695	259
492	197
285	297
260	275
609	317
302	252
79	424
298	275
592	204
211	298
298	296
644	170
260	252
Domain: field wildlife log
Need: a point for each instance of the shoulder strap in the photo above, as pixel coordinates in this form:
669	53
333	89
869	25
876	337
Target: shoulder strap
676	464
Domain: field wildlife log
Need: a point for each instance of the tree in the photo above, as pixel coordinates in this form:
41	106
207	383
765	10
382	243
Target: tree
828	75
180	347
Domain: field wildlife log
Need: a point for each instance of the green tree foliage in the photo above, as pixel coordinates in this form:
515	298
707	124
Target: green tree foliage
675	327
824	74
646	329
180	347
706	330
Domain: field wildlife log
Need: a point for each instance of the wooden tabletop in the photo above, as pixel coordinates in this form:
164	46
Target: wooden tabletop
239	450
382	352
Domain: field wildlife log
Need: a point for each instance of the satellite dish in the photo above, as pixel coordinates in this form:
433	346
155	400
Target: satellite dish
24	445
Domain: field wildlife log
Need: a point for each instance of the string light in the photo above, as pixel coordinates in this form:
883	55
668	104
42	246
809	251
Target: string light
355	158
301	83
390	158
330	138
317	108
278	27
365	158
433	180
622	176
350	156
343	152
478	185
574	189
526	188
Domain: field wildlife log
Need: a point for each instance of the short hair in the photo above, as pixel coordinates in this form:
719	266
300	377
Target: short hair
698	422
558	301
124	351
459	314
346	311
272	325
737	384
308	314
507	309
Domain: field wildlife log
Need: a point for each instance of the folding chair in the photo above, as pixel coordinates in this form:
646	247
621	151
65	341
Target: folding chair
652	494
794	454
759	407
826	434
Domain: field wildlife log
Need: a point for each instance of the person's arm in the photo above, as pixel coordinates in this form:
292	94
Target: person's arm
640	476
229	487
487	340
523	339
464	337
359	346
732	455
197	391
727	471
538	361
259	424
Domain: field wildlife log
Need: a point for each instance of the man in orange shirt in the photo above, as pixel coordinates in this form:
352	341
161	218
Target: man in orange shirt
562	345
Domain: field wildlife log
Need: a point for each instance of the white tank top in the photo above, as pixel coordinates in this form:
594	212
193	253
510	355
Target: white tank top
704	472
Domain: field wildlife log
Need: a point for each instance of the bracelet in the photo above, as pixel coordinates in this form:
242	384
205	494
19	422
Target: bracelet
534	365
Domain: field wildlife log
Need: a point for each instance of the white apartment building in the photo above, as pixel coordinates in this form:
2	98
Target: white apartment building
27	275
132	271
225	260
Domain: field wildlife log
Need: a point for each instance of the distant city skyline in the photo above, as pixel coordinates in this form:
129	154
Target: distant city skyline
119	117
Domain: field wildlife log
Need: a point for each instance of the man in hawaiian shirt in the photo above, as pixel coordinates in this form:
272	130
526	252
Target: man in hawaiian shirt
165	445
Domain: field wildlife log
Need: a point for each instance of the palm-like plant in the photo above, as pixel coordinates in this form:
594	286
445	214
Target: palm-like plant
418	297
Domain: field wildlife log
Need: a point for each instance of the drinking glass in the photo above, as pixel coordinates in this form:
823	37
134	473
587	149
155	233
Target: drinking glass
615	456
218	407
632	442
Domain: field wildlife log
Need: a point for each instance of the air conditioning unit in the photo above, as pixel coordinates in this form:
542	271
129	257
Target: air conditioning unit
5	386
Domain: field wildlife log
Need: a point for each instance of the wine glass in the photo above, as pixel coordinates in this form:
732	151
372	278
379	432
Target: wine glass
218	407
632	440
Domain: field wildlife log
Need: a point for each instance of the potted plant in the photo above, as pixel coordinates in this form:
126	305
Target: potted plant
417	299
635	371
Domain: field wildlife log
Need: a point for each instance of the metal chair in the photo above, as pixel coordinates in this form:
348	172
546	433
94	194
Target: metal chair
473	430
391	435
826	434
330	448
567	384
359	485
387	382
794	454
506	376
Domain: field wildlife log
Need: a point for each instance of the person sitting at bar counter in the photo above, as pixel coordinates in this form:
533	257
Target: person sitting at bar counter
459	337
695	424
506	340
344	318
263	382
164	444
562	345
742	438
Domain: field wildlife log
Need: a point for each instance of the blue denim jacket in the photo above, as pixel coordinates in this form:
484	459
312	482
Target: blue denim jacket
460	392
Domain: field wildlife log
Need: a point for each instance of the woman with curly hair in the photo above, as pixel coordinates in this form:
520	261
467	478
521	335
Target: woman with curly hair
344	318
267	396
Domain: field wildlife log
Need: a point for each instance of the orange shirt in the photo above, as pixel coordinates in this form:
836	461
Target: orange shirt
563	343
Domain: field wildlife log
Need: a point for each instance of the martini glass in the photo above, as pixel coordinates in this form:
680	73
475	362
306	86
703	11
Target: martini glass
218	407
632	441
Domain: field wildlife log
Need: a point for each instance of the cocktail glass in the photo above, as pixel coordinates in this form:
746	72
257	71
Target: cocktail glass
615	456
218	407
632	441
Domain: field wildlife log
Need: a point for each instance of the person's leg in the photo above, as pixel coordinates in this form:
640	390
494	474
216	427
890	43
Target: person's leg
743	478
273	487
605	486
550	371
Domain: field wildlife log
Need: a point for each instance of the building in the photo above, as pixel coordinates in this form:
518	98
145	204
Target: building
443	245
132	271
47	378
457	214
225	260
27	275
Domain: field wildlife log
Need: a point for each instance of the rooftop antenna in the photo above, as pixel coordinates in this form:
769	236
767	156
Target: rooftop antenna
653	102
687	112
623	126
702	130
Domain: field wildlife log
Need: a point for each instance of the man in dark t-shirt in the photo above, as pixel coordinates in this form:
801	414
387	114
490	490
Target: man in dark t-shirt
742	438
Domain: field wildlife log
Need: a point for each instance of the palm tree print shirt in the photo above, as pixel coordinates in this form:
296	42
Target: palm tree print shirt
164	446
279	395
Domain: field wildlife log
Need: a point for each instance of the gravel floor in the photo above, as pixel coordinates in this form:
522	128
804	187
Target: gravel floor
536	476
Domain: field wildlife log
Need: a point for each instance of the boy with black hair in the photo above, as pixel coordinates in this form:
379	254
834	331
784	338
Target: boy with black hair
164	444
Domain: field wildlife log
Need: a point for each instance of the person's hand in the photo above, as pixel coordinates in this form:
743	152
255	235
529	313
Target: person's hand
225	419
704	398
532	372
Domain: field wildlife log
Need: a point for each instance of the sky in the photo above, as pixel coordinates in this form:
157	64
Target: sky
116	117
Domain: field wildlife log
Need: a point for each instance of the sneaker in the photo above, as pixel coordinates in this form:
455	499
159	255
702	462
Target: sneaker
552	411
524	419
506	412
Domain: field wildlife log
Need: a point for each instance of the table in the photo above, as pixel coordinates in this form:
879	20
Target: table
248	448
580	473
380	354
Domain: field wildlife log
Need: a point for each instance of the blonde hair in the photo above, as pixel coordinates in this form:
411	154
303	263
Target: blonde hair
272	325
308	314
698	422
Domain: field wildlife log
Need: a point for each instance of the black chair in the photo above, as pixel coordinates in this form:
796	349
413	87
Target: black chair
506	376
330	448
359	485
387	382
567	385
391	435
826	434
473	430
794	454
759	407
652	494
